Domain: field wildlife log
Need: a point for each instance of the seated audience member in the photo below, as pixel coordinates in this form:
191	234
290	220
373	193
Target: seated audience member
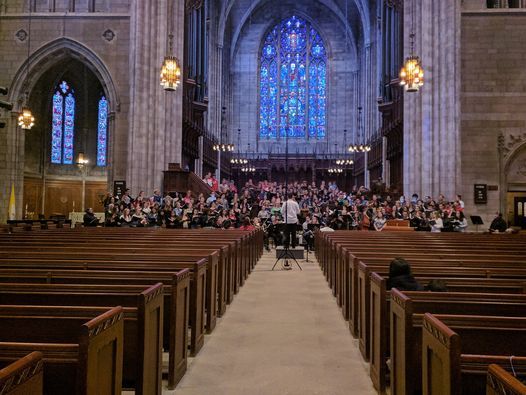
498	225
436	222
460	222
400	276
379	222
436	285
172	221
112	220
274	232
90	219
126	218
138	218
246	224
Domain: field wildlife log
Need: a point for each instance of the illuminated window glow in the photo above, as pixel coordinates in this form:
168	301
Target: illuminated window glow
293	77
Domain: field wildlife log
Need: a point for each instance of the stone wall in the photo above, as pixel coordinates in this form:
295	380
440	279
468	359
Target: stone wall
493	103
432	143
123	42
352	64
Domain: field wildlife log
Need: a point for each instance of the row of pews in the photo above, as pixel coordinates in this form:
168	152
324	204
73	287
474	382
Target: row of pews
90	311
433	342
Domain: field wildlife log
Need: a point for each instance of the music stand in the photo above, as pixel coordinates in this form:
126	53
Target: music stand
476	220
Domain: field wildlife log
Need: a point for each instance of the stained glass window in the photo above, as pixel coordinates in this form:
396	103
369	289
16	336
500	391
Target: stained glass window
293	76
63	125
102	134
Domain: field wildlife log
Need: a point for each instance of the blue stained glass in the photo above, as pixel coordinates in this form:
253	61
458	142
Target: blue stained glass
63	125
56	128
102	135
69	127
292	81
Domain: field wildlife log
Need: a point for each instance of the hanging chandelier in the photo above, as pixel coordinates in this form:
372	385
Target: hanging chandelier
248	169
170	70
412	72
361	146
335	170
344	160
26	120
220	146
239	160
223	147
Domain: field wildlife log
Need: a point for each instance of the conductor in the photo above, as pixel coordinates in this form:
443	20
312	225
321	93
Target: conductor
290	210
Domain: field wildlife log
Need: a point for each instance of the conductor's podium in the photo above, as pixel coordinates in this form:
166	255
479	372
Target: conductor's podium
296	253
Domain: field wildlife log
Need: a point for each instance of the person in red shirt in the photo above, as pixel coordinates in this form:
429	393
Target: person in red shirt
247	225
215	184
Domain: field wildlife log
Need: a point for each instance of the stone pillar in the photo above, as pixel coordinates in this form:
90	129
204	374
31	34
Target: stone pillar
12	140
432	115
155	137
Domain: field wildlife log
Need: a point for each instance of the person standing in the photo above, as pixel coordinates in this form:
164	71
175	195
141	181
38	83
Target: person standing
290	210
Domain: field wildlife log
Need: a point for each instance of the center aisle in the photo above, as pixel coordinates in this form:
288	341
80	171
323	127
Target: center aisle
283	334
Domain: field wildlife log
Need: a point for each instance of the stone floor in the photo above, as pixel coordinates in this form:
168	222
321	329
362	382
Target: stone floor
283	334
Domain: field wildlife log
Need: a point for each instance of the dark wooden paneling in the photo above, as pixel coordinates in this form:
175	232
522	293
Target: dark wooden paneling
62	196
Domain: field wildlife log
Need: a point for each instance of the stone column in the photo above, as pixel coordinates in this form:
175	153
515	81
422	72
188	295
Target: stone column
155	137
431	116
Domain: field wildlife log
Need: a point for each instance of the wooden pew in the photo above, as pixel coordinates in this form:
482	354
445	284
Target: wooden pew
143	321
81	346
380	311
457	350
501	382
92	254
23	377
176	303
465	269
407	311
197	314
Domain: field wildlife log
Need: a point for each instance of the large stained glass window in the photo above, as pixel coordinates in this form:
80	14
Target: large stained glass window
63	125
293	78
102	132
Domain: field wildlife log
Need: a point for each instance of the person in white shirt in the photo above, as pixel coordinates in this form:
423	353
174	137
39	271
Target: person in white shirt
436	224
290	210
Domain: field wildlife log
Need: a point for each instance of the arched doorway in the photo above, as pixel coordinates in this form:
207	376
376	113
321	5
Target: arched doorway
71	107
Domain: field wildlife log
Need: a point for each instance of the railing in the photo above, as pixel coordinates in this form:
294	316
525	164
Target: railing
506	3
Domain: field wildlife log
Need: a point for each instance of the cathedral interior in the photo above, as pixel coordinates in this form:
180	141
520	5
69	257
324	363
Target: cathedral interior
291	85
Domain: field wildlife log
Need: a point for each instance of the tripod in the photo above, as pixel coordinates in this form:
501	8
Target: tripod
286	255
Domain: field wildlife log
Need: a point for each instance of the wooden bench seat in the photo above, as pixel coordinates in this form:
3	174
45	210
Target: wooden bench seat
407	311
82	346
24	376
501	382
198	284
457	350
380	312
143	321
176	303
363	287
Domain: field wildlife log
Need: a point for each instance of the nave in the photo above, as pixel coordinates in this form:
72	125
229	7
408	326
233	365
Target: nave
282	335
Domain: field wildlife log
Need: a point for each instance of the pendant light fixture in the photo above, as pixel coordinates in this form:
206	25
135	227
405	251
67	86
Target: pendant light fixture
171	67
26	120
343	160
239	160
361	146
412	73
221	146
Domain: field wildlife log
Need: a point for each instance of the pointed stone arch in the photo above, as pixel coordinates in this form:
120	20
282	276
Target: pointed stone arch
53	53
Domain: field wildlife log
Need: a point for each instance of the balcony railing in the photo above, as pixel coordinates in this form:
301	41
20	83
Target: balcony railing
506	3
